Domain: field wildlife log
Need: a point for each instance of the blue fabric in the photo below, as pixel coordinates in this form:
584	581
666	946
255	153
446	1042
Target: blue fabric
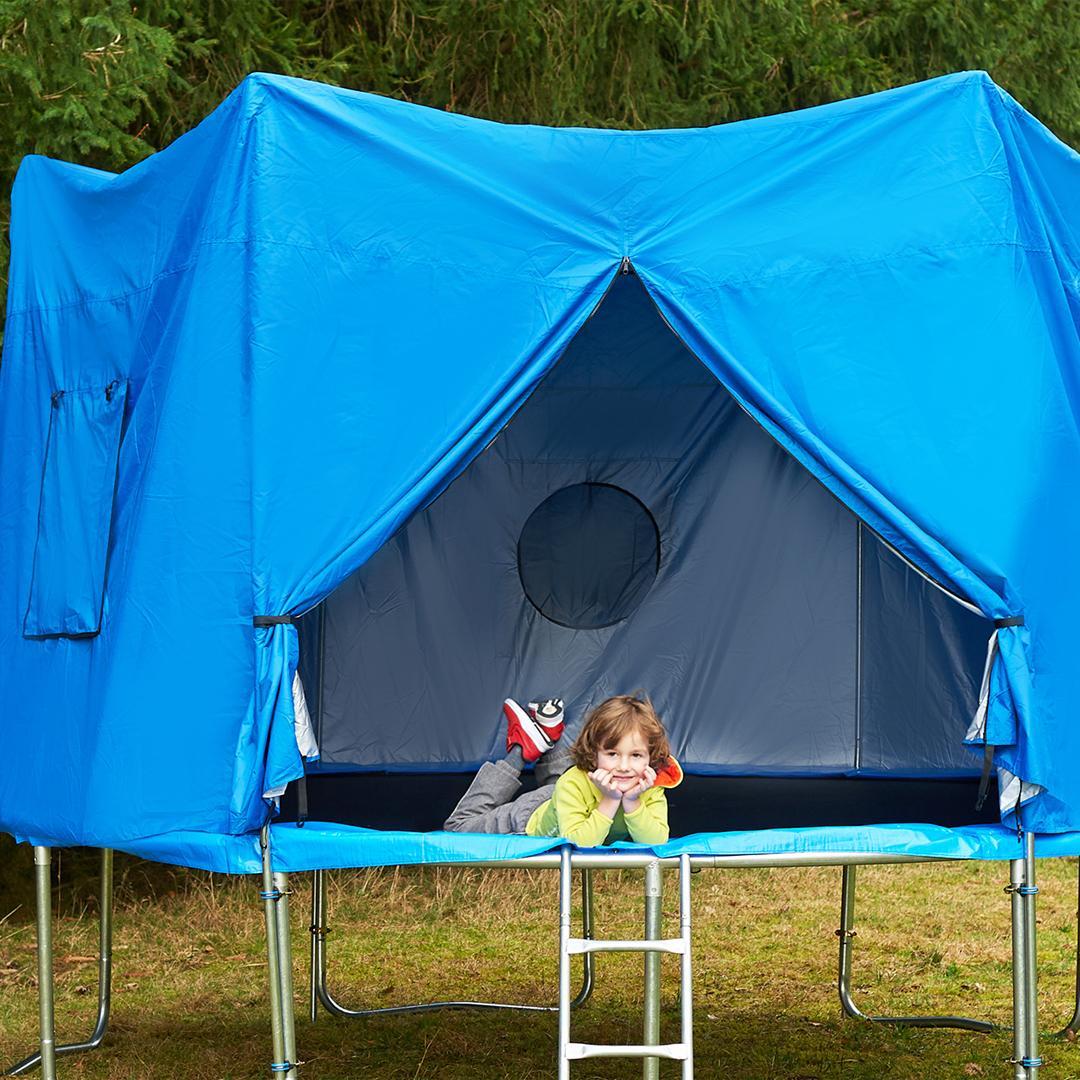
774	634
323	846
67	581
325	304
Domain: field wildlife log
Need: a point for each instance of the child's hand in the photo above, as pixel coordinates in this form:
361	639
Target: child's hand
602	778
631	795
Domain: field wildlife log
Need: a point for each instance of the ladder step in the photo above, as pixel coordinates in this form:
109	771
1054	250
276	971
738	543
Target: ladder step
575	946
671	1051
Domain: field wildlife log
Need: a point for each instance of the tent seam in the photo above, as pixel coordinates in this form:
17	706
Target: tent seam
191	263
548	283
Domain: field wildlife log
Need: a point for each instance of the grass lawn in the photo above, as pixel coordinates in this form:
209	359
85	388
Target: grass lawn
190	983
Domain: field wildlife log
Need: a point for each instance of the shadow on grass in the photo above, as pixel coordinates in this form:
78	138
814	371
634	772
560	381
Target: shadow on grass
464	1045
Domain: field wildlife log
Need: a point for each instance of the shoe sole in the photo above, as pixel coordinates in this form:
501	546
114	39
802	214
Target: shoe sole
529	727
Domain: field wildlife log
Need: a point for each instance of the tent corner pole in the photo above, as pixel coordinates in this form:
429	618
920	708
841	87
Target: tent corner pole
1022	890
270	896
284	935
1030	895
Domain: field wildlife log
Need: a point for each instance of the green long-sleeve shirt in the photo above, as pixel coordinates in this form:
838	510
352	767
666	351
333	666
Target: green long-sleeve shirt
573	812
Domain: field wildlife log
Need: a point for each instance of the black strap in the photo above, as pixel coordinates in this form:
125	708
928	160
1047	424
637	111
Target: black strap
984	782
1012	620
272	620
301	801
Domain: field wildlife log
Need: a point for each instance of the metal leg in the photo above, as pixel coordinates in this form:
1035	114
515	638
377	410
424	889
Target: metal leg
105	910
320	992
654	896
846	934
43	888
588	978
288	1019
564	963
686	994
281	1064
1019	966
1073	1025
1030	892
318	932
1022	889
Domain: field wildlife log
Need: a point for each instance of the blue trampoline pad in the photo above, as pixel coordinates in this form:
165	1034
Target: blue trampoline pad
323	846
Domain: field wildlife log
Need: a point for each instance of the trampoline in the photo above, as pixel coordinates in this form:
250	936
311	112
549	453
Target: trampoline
340	419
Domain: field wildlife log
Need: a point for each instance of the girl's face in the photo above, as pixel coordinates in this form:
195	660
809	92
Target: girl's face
626	760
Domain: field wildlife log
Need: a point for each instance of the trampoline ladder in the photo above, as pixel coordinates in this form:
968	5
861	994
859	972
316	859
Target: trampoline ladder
652	1050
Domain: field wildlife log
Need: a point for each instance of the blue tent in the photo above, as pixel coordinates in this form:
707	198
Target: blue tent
234	372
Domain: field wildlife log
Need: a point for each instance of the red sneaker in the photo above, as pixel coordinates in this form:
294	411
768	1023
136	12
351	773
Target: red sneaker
549	715
522	731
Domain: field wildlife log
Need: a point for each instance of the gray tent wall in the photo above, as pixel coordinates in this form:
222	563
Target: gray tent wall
694	558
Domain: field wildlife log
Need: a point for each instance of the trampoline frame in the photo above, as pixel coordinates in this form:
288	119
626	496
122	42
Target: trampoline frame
275	892
319	993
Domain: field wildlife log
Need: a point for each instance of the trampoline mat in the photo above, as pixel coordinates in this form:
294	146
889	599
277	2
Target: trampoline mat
329	846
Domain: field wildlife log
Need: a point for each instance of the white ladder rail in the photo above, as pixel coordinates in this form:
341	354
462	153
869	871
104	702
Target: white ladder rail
570	946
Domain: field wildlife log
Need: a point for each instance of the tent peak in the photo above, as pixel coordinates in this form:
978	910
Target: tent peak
288	89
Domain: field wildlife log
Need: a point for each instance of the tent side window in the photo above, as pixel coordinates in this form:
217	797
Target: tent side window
78	486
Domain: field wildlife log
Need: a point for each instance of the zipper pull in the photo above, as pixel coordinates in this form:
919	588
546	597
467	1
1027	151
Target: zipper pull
625	267
57	395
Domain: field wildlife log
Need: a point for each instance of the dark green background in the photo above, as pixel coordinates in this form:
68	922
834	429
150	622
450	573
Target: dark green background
105	83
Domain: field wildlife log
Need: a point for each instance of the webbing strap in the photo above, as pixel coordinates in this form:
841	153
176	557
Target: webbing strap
301	801
1012	620
984	780
272	620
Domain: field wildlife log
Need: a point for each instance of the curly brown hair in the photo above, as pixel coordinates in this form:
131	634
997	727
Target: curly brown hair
614	718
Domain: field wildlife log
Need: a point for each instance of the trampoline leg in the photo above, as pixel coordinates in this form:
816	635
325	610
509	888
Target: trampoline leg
1073	1025
318	929
654	900
46	1025
686	983
105	909
846	934
1022	889
564	963
285	972
1031	950
588	976
281	1065
320	992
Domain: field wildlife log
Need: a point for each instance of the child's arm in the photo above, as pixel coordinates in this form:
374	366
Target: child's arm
579	821
647	821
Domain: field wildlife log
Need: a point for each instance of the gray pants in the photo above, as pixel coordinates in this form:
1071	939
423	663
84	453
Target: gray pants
492	803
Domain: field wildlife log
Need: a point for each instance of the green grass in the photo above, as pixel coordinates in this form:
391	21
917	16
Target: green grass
190	983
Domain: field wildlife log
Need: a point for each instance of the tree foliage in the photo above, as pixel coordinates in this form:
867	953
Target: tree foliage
106	82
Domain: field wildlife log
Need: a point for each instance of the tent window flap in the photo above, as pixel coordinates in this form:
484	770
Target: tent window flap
78	488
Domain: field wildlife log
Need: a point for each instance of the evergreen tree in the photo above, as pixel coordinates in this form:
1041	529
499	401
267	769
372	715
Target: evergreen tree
105	82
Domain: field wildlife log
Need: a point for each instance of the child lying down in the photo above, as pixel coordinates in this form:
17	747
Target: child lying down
608	785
